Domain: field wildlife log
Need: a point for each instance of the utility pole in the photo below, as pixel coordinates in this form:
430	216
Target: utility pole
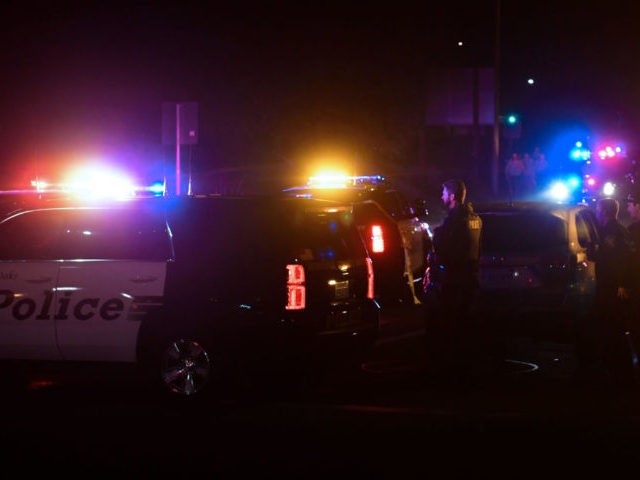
177	148
495	163
180	125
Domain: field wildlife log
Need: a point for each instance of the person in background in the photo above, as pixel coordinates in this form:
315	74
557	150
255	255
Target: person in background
528	176
451	287
541	167
514	173
633	209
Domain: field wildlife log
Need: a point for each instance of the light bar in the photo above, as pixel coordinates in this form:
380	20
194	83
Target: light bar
342	181
329	181
100	188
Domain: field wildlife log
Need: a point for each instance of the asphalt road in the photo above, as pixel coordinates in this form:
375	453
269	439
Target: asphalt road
388	419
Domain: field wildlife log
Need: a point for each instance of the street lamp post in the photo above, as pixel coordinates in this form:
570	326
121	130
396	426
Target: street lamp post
178	149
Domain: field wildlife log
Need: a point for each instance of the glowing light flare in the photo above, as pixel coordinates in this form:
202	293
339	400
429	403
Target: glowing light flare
607	152
329	160
98	181
341	180
573	182
329	180
156	188
579	153
39	185
608	189
559	191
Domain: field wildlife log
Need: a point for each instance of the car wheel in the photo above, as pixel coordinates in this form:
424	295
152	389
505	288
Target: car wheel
185	367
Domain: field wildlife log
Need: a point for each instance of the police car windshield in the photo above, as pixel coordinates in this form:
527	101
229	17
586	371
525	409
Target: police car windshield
84	233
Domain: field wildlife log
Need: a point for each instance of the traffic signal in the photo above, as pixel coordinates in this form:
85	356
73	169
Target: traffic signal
511	126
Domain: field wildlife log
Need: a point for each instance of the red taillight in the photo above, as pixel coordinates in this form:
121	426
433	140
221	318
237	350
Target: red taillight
377	239
370	285
296	290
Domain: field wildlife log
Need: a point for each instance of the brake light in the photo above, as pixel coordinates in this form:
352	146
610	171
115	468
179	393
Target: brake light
296	290
370	284
377	239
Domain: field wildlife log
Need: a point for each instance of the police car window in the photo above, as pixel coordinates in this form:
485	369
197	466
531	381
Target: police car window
115	234
389	202
586	226
394	203
217	228
406	210
31	235
522	233
327	236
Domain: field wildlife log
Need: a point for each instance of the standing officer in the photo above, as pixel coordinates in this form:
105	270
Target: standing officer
614	280
633	209
633	323
452	286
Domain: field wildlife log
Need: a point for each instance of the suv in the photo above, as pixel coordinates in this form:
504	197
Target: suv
186	287
397	240
536	271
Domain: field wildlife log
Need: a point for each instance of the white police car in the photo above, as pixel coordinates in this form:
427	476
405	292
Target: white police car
182	286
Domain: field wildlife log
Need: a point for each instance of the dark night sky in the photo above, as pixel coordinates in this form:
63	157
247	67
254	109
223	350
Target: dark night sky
275	80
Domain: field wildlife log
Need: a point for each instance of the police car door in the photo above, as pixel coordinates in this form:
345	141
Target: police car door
111	279
29	260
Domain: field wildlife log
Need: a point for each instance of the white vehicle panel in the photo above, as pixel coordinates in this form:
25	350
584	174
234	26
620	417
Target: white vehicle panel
102	320
413	238
27	303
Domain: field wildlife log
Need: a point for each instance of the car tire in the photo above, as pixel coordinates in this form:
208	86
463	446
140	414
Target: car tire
185	366
182	365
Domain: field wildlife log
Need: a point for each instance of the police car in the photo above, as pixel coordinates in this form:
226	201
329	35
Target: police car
397	239
186	287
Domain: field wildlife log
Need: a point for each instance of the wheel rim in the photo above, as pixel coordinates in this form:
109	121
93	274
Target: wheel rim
186	367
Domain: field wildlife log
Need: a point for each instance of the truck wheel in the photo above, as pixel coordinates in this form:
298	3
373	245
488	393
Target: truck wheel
185	367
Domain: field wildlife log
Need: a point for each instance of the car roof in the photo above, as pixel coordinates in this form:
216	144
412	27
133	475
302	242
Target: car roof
358	184
519	207
13	204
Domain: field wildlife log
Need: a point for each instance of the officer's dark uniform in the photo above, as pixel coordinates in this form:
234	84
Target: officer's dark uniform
634	232
614	259
450	329
633	317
